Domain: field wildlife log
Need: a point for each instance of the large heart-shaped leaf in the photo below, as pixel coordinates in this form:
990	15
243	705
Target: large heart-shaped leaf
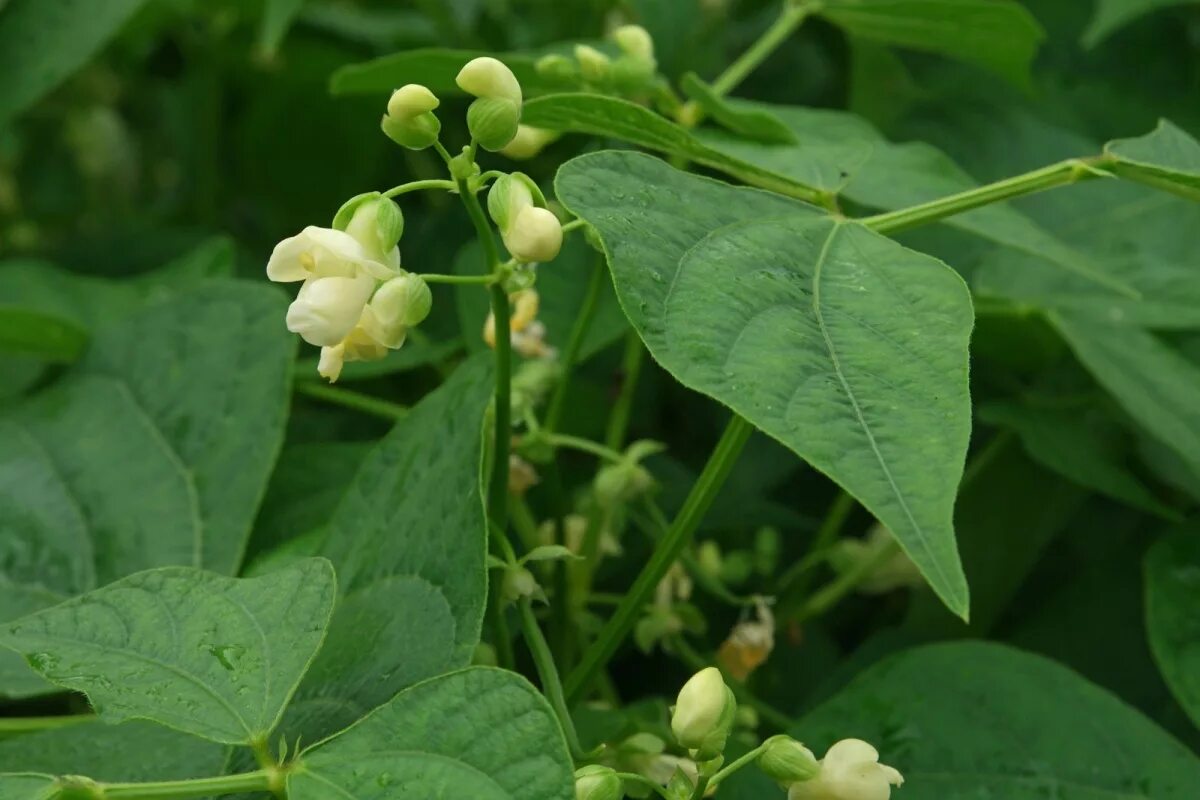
843	345
1166	158
972	720
1173	614
480	733
408	534
213	656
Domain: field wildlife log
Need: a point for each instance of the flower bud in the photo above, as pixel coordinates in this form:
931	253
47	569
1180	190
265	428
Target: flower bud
617	483
703	714
635	42
508	197
376	223
593	65
535	235
488	78
557	67
410	121
528	142
597	782
786	761
493	122
405	300
517	583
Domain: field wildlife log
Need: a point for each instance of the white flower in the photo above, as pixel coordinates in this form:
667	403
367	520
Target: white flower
701	710
327	309
322	253
849	771
381	325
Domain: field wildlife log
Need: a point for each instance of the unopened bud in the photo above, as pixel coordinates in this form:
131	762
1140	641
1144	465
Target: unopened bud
534	236
593	65
493	122
557	67
597	782
635	41
489	78
508	197
786	761
410	121
518	582
703	714
375	222
405	300
528	142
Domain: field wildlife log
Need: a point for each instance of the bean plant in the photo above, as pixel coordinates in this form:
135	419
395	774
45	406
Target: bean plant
632	437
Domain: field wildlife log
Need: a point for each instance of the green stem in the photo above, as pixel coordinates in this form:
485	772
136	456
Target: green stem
801	572
351	399
543	659
783	27
573	225
1065	172
735	765
656	525
701	787
416	186
631	368
484	280
570	355
698	501
246	783
14	725
581	444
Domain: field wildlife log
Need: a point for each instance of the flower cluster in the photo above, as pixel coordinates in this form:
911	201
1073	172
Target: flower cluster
355	302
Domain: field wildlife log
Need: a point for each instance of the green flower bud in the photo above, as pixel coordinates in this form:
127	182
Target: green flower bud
534	236
410	121
488	78
518	582
509	196
635	42
493	122
76	787
593	65
786	761
704	713
405	300
557	67
597	782
375	222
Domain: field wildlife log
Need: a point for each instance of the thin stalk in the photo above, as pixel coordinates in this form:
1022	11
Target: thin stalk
701	787
416	186
1061	174
783	27
701	497
543	659
801	573
524	522
570	355
246	783
631	368
350	399
736	764
14	725
483	280
642	780
828	596
573	225
582	445
654	523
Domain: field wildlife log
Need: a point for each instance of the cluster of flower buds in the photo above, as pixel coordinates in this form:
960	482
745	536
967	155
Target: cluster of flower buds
355	302
527	334
850	770
530	231
704	714
630	72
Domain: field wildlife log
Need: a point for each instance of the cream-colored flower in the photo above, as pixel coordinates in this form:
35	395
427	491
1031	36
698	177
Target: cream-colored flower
527	335
322	253
534	236
700	708
850	770
327	309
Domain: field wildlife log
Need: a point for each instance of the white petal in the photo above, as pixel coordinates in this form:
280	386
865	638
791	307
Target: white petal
285	264
849	751
330	365
327	309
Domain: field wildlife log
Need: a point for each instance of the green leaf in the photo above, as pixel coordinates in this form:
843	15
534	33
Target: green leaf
435	68
28	787
131	751
213	656
843	345
599	115
749	122
408	534
51	338
212	369
1112	15
43	41
1002	723
277	19
480	733
1173	614
998	35
1156	385
1086	448
1167	158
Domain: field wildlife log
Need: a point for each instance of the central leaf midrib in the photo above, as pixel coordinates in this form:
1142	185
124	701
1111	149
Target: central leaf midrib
862	422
